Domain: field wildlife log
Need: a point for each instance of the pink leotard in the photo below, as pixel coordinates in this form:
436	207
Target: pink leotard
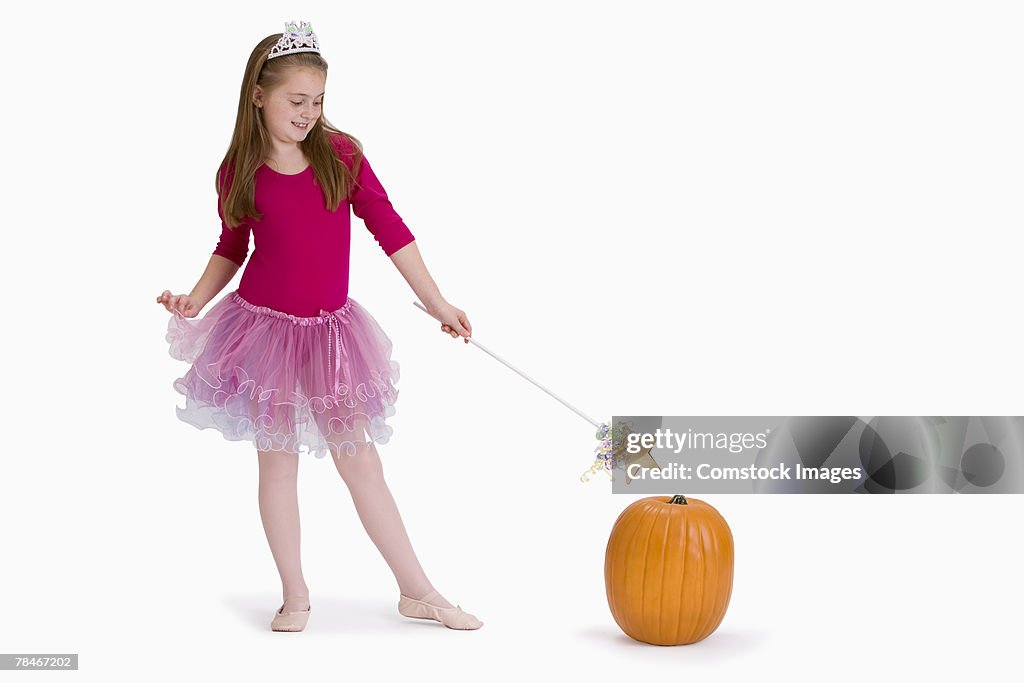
300	263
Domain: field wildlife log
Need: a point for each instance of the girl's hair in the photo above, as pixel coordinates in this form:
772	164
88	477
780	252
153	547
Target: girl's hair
250	142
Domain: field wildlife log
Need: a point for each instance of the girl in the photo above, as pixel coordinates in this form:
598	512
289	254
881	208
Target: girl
289	359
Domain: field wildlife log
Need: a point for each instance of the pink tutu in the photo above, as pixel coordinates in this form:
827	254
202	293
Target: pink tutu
285	382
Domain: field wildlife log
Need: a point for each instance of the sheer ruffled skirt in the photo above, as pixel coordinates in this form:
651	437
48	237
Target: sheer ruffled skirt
323	384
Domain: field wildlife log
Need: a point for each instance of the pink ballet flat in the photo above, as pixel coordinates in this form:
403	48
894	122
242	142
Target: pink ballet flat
290	621
452	617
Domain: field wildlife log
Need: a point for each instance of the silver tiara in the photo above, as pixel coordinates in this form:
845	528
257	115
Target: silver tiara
296	38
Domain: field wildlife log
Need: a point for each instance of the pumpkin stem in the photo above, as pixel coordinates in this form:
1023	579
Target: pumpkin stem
678	499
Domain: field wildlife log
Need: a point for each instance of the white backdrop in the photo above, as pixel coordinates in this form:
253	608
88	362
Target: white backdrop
729	208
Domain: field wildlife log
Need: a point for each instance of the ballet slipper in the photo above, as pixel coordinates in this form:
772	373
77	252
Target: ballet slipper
452	617
290	621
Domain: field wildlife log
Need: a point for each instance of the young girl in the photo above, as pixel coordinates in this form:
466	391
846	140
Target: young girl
289	359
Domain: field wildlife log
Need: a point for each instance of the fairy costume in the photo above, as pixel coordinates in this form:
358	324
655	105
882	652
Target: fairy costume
289	361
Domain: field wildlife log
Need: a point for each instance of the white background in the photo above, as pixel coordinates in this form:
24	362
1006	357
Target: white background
728	208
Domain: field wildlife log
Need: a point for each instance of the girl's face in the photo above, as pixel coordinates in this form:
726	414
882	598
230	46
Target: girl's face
291	109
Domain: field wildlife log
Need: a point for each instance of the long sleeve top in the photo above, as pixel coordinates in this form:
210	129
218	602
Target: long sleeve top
300	263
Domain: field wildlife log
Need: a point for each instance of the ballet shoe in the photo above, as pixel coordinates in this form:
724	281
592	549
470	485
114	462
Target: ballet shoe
290	621
452	617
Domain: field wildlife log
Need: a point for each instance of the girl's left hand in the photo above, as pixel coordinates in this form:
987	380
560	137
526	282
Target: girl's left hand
454	321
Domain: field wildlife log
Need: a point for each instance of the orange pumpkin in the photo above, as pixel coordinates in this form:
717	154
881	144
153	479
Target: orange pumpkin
668	570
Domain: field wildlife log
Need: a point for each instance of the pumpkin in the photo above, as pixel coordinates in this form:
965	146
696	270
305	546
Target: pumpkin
668	570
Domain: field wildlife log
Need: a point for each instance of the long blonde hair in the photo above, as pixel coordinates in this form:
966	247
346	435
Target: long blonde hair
250	142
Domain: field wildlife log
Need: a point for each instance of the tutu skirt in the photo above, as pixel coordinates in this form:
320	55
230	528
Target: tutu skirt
321	384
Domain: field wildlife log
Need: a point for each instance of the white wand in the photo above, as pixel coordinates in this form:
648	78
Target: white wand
418	305
611	450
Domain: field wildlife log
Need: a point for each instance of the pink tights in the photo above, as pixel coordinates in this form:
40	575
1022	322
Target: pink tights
364	475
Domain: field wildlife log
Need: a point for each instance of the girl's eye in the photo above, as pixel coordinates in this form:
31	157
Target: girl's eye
315	103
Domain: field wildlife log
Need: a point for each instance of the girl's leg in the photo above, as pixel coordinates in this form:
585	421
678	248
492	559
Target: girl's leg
279	508
364	475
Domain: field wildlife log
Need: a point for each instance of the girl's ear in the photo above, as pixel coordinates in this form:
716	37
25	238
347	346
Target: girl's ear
257	96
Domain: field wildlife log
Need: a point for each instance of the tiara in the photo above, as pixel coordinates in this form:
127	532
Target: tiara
296	38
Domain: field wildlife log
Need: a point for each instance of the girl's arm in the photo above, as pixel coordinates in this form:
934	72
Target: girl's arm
370	202
410	263
218	273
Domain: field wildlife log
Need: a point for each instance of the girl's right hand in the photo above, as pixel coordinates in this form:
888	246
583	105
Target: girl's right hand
179	304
